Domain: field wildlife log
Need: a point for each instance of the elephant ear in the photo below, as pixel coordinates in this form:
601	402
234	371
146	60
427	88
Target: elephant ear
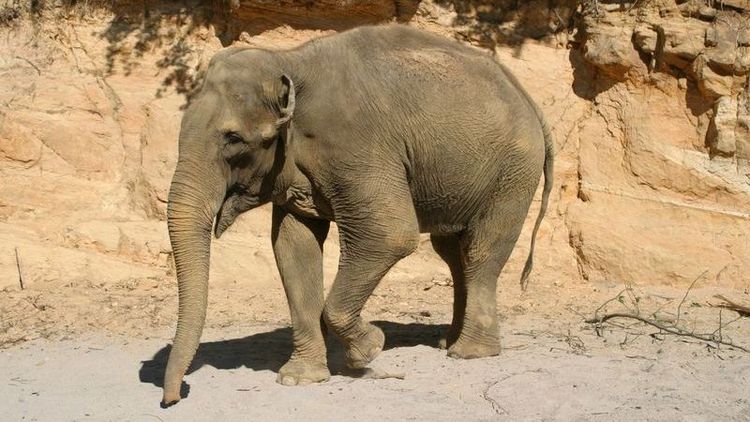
286	101
235	204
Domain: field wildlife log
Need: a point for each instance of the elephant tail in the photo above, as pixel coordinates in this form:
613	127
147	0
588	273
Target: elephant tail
549	160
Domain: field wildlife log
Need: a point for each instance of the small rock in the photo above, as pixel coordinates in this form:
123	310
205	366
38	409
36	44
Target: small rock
442	280
711	39
712	84
610	52
743	38
706	12
725	121
645	39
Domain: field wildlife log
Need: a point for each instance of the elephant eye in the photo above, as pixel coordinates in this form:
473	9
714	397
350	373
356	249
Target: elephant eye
233	138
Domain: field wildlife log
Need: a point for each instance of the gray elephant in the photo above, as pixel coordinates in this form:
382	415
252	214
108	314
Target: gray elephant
389	132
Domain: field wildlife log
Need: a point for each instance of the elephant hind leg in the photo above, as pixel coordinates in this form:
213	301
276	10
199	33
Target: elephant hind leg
485	247
448	248
374	236
361	267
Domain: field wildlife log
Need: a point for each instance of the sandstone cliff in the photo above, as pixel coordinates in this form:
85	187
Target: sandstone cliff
649	102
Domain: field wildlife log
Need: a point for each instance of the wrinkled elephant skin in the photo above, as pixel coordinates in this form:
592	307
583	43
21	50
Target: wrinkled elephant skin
389	132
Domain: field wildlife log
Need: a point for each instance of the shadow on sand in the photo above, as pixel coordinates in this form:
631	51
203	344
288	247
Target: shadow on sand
270	350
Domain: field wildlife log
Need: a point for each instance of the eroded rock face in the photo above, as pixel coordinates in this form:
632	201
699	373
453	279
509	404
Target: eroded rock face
649	105
708	46
666	147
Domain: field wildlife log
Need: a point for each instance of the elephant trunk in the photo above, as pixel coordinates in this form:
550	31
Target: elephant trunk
194	200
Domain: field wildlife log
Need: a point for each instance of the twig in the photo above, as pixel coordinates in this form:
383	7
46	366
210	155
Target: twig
575	343
18	267
379	375
669	300
722	326
634	299
370	373
677	320
672	330
740	309
616	297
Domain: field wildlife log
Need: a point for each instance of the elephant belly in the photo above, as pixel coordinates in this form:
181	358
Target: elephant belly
442	214
453	180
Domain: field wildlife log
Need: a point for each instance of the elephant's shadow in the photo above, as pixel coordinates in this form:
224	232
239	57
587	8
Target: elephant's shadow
270	350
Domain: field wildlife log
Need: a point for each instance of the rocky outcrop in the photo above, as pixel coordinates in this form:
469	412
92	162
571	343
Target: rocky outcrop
667	147
649	103
709	47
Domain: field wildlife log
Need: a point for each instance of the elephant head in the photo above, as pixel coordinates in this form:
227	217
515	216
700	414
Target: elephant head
231	155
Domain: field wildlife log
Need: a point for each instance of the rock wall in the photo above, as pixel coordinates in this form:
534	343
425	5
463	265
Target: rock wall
663	161
649	102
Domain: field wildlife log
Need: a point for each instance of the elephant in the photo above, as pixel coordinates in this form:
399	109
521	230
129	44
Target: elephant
389	132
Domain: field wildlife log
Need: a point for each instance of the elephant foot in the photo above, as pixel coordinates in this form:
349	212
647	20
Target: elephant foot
300	371
363	350
448	339
468	349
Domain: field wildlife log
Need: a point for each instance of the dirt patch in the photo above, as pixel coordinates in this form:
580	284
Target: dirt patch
102	350
552	367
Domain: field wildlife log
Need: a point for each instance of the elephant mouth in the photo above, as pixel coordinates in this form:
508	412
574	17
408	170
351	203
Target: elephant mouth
237	201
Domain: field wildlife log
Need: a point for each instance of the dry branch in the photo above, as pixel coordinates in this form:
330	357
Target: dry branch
679	307
18	267
734	306
669	329
370	373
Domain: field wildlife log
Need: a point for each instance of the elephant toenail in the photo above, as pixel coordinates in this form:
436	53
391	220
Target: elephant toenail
288	381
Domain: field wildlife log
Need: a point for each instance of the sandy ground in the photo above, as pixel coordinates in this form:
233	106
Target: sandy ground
553	367
94	350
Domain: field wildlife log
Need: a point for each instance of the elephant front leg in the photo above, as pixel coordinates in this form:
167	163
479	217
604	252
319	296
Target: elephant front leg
298	248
